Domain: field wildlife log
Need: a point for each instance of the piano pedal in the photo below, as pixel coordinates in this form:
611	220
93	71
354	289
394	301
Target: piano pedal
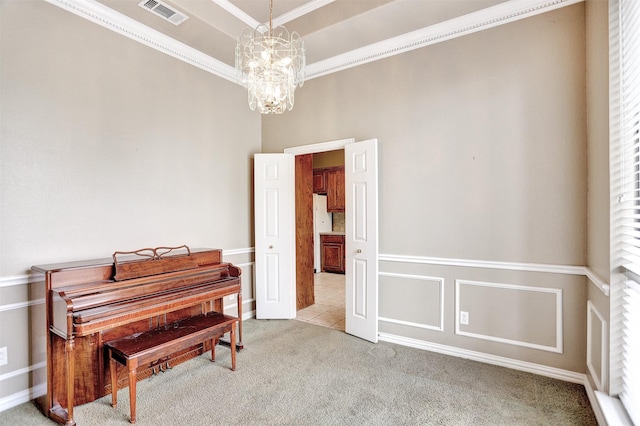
167	366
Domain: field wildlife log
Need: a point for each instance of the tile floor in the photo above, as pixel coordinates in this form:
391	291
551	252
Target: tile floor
328	310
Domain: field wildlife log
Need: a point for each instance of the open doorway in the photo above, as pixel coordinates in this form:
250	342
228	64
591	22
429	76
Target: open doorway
276	243
321	289
329	307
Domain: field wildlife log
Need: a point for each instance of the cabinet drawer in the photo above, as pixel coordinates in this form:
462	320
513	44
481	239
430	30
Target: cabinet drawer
332	239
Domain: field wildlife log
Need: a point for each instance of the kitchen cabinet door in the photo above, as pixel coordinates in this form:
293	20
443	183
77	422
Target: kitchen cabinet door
332	255
335	189
319	181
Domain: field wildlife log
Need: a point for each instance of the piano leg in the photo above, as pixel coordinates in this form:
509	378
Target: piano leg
69	346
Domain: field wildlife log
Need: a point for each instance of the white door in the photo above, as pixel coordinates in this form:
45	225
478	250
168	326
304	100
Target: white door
275	254
361	252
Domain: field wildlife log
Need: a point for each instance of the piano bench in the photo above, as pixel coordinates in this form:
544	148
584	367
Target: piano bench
142	348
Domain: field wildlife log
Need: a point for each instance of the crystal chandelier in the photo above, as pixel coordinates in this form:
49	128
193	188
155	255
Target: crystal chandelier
270	64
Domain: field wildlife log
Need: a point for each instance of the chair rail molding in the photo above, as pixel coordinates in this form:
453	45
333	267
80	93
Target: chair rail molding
510	266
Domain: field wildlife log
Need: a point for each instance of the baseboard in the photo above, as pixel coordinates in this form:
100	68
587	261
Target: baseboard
542	370
23	396
597	410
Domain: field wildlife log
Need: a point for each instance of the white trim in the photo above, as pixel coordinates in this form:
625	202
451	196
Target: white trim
233	252
240	14
13	281
21	371
302	10
440	281
490	17
559	325
500	14
251	22
599	375
543	370
122	24
22	397
612	410
593	400
21	305
599	282
510	266
319	147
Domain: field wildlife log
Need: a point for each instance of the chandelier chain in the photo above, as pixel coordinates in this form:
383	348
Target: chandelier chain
270	18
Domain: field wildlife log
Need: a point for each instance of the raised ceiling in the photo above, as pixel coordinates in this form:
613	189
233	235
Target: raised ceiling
338	34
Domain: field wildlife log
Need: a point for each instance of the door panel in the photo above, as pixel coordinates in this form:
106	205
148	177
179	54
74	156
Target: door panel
361	176
360	289
274	236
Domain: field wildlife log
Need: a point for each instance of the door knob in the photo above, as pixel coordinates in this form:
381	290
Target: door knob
358	251
270	247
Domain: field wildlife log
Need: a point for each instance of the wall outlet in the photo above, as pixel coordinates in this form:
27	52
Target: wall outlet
464	318
4	359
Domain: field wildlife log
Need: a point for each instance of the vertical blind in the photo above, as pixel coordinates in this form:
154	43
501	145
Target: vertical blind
625	76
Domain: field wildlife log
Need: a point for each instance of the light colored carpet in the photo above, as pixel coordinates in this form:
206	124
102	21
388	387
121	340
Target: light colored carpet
296	373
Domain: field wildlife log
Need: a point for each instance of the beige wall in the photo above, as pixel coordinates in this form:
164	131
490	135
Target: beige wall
483	157
491	127
108	145
487	148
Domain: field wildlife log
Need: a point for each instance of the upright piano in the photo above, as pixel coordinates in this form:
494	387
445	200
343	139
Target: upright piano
92	302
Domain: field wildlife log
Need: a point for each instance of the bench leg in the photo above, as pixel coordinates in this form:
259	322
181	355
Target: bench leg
132	394
213	349
114	380
233	346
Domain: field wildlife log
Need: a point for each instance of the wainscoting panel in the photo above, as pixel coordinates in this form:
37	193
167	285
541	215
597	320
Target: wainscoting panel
515	314
428	313
24	377
597	346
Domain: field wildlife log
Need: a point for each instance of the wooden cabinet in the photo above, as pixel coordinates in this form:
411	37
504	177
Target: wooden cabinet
335	190
330	181
319	181
332	253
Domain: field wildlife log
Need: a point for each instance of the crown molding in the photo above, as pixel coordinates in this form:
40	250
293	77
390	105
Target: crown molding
500	14
117	22
503	13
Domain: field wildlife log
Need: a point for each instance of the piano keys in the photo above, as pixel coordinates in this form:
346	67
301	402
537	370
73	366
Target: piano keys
95	301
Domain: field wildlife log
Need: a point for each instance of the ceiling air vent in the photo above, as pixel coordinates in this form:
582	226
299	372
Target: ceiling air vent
164	11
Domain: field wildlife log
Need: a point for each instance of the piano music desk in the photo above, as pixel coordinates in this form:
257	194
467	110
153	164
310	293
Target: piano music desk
156	344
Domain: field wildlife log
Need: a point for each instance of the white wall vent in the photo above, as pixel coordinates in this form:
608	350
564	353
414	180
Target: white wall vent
164	11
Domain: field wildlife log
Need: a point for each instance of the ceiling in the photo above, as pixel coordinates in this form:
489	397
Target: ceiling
337	34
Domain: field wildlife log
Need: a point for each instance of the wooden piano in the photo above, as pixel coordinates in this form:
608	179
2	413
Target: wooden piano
89	303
